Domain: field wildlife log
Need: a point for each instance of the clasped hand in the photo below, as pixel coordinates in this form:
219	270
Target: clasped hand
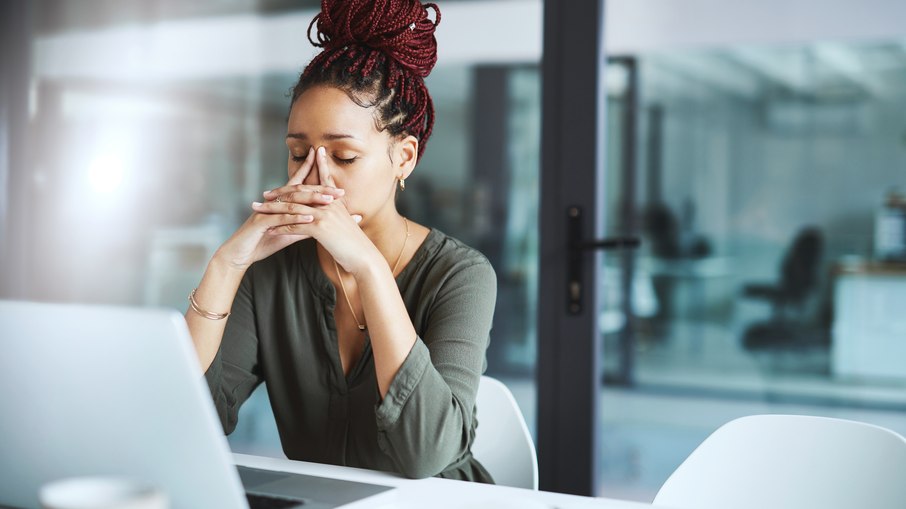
297	211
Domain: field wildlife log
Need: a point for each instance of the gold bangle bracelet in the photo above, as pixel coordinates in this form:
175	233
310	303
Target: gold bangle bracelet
207	314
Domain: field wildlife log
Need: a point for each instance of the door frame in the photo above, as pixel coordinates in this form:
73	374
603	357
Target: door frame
572	170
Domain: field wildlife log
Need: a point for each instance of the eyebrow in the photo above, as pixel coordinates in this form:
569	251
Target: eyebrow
328	136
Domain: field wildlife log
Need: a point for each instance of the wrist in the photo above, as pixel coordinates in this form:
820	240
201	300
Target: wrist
370	265
224	266
214	295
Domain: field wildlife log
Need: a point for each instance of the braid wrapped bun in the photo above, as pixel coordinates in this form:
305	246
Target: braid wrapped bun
399	28
379	52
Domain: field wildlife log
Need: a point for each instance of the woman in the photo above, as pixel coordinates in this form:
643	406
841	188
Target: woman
370	330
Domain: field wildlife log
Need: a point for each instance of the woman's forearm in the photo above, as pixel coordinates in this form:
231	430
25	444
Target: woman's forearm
215	293
391	330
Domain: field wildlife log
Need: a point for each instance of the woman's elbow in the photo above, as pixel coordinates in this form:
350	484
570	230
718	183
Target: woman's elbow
425	465
422	466
429	463
418	472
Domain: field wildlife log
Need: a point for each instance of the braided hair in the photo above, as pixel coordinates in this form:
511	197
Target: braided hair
378	52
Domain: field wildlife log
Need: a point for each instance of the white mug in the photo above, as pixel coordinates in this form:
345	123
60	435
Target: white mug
101	493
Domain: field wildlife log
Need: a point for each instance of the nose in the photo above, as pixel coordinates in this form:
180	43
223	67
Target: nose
313	178
320	173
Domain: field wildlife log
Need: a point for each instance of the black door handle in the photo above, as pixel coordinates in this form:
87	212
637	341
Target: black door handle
611	243
577	247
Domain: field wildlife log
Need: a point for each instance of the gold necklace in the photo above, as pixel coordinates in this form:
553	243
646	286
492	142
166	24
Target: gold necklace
362	326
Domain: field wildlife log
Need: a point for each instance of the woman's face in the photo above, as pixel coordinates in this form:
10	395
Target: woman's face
363	161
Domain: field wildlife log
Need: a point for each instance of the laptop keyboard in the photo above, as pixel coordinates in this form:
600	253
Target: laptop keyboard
271	502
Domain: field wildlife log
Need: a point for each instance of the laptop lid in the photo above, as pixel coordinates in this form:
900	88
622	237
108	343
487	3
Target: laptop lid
94	390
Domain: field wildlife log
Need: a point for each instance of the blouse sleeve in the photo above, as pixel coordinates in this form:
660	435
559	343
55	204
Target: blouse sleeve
234	374
425	420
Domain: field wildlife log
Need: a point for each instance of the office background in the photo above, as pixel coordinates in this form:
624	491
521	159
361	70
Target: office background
758	151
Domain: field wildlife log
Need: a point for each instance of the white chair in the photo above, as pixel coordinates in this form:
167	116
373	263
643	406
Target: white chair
502	440
791	462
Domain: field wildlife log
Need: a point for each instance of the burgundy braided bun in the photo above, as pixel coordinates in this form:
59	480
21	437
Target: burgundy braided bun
378	52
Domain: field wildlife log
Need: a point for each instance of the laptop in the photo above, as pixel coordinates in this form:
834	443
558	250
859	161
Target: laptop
97	390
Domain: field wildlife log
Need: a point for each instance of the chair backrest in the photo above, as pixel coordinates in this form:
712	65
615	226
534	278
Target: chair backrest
791	462
503	443
801	266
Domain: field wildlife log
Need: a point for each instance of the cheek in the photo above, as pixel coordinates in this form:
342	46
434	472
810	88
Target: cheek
366	187
291	167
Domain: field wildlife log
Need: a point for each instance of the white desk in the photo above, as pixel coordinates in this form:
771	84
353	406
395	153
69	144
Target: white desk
869	324
437	493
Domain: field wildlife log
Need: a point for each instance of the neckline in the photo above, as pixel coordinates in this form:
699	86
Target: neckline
321	284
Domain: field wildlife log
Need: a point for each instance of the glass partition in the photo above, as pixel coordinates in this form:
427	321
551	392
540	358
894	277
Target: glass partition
769	188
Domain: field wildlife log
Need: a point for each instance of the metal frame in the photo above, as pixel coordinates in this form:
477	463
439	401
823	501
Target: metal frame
572	170
15	73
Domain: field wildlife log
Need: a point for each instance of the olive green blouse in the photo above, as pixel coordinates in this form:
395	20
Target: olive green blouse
281	331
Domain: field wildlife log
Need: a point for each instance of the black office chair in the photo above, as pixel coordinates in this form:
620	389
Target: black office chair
790	323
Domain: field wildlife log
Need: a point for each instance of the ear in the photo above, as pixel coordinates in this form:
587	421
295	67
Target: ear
406	156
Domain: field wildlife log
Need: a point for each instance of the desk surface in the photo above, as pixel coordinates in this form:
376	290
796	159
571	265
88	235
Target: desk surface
869	268
437	493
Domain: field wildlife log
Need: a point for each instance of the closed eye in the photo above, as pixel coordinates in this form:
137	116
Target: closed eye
345	161
299	158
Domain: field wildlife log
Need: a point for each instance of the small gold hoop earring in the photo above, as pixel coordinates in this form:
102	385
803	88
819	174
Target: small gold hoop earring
402	184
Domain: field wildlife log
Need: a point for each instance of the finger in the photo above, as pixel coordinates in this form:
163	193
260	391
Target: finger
282	207
272	220
268	222
302	173
323	168
357	218
289	189
291	229
304	197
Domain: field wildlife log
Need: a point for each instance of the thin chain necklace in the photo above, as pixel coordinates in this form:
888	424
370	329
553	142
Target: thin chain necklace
362	326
